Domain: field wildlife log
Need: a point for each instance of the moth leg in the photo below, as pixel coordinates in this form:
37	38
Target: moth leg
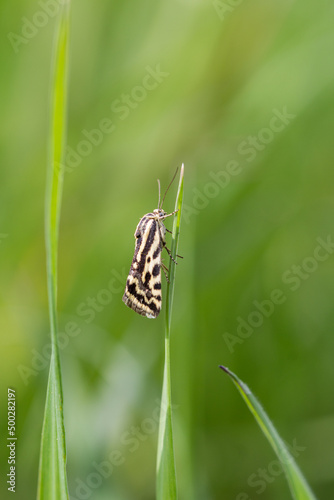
172	213
165	270
169	252
168	231
177	255
164	245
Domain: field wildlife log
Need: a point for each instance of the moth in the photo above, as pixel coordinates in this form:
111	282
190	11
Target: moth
143	285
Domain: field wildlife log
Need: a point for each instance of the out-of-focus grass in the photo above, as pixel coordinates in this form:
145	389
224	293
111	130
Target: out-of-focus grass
52	478
225	78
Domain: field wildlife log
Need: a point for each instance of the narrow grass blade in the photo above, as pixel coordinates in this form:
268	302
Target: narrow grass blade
166	475
52	480
298	486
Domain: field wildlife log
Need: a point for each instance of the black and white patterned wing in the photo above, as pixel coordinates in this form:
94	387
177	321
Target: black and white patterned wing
143	286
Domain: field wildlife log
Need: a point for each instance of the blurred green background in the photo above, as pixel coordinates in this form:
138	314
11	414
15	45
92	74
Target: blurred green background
242	93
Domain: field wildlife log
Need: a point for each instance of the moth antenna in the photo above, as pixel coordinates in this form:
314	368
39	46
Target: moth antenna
159	192
171	182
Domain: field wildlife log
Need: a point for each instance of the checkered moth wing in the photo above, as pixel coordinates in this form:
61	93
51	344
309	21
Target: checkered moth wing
143	286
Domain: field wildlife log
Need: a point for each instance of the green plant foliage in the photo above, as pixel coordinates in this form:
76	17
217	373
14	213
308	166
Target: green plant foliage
242	92
299	488
166	475
52	481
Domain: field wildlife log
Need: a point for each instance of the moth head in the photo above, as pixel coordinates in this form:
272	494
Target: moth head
159	213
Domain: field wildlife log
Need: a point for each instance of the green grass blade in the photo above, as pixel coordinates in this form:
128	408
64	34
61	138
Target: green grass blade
52	480
298	486
166	475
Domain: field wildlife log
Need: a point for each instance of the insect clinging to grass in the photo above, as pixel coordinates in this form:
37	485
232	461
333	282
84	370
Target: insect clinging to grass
143	286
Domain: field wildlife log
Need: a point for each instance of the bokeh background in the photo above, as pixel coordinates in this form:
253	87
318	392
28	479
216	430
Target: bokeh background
227	69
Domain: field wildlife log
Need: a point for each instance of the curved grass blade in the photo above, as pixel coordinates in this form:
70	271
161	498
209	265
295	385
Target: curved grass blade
52	480
166	475
299	488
